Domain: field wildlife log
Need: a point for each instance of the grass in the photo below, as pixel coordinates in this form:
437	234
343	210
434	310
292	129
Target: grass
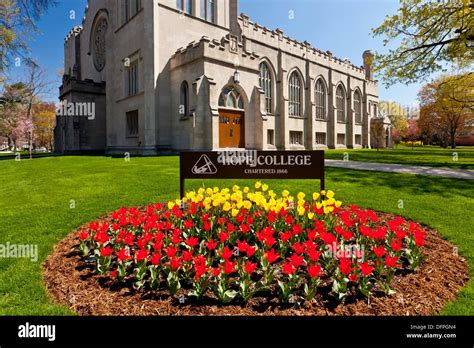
23	154
36	197
431	156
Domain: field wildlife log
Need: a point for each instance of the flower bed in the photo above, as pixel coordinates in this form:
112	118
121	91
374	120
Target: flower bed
235	244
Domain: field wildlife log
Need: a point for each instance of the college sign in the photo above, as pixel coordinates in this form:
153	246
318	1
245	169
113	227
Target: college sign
251	164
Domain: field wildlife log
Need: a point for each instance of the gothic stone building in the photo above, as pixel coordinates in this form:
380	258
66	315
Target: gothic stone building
170	75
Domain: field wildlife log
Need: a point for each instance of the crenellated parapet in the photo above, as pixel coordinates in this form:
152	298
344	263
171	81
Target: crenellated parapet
229	49
76	31
277	38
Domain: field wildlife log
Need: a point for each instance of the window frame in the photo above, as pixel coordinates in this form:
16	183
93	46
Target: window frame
341	104
265	80
345	139
295	95
234	95
131	11
184	98
320	95
271	137
135	126
357	109
185	6
324	134
133	79
299	135
205	13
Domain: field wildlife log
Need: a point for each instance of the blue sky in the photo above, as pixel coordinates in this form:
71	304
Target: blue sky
341	26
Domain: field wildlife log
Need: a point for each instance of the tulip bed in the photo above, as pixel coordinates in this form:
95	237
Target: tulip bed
235	243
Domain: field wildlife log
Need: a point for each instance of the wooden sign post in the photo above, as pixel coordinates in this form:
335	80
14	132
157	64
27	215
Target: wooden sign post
251	164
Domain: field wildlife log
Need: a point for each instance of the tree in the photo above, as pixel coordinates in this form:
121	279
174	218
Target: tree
17	22
44	120
445	104
36	85
430	35
396	114
377	132
13	114
413	131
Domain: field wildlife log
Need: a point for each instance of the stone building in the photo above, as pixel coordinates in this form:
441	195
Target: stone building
170	75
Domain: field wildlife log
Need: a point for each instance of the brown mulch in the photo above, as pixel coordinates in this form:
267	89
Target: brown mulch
73	283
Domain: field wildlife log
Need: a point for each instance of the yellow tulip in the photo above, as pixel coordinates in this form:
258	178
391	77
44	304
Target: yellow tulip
315	196
310	215
264	187
235	212
330	194
338	204
285	193
323	193
171	205
301	196
301	210
246	189
227	206
258	184
235	188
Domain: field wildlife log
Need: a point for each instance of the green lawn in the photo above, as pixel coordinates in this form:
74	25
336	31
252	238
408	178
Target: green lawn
35	197
422	156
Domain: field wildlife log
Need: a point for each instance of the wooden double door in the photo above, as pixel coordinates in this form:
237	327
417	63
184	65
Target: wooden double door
231	129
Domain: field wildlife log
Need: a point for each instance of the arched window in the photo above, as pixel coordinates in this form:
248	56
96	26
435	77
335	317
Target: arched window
320	100
341	104
295	89
266	85
184	99
357	107
208	10
230	98
185	6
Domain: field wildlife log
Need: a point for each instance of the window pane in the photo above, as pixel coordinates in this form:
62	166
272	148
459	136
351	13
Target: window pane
203	8
210	10
189	6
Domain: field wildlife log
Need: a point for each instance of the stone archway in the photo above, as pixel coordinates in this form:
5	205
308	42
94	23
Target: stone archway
231	118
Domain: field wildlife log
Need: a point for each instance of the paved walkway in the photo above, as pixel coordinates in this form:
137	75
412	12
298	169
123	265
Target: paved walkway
402	168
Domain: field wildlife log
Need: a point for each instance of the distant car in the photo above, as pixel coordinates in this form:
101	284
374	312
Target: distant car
41	149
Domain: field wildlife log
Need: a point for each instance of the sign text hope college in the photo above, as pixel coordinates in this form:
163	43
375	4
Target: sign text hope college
252	164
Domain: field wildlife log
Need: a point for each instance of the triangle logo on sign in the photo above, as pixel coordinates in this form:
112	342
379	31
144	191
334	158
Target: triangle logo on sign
204	166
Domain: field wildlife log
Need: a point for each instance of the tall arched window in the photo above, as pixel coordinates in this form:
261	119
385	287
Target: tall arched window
185	6
320	100
295	89
184	100
266	85
230	98
208	10
341	104
357	107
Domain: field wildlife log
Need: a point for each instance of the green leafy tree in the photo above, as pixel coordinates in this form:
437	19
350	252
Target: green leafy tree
429	35
447	107
17	22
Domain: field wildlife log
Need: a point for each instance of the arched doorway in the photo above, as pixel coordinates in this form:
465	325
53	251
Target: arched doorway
231	119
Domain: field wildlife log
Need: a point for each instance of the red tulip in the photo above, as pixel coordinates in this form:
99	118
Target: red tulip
391	261
314	271
271	256
104	252
379	251
366	269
